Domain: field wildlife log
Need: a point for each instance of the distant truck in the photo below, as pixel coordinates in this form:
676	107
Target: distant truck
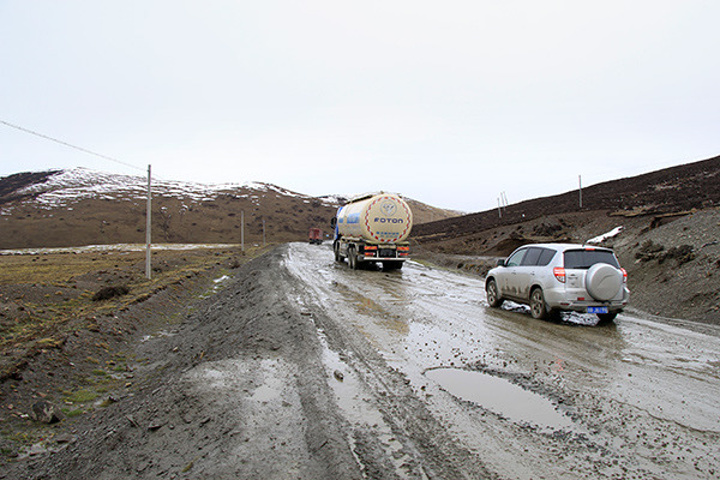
372	229
315	237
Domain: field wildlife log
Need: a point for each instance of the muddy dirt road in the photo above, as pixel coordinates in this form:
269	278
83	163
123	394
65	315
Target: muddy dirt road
635	399
303	368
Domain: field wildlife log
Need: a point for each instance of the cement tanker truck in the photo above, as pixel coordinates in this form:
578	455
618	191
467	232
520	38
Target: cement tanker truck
373	229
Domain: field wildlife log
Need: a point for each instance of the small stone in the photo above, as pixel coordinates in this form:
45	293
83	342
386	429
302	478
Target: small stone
65	438
132	421
45	412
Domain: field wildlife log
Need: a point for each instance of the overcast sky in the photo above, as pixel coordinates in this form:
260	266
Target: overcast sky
446	102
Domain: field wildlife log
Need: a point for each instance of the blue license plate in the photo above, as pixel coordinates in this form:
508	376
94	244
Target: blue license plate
597	310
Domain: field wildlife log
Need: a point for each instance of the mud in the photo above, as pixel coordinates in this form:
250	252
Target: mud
298	367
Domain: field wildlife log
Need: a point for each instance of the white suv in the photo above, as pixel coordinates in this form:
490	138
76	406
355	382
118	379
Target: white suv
560	277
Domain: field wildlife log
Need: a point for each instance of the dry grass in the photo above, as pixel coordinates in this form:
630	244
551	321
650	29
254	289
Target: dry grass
45	297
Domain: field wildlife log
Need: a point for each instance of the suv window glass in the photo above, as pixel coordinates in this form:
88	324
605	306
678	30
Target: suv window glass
584	259
532	256
546	257
516	258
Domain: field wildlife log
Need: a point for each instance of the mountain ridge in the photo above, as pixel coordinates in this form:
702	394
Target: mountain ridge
73	207
694	185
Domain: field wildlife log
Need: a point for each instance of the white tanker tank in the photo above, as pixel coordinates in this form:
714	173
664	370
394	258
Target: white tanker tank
373	228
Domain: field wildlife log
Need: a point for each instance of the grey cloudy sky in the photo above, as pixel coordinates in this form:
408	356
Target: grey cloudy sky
447	102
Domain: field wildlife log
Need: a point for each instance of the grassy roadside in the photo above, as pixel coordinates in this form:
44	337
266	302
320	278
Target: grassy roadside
61	343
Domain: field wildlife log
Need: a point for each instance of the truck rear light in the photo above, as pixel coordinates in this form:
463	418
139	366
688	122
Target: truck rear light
370	250
403	249
559	273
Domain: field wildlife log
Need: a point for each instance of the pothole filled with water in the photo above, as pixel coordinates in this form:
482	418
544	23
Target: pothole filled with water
500	397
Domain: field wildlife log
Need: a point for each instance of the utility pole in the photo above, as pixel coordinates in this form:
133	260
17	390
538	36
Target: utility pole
502	203
580	189
148	236
264	243
242	230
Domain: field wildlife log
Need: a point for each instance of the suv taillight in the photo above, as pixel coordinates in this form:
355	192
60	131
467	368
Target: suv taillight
559	273
624	275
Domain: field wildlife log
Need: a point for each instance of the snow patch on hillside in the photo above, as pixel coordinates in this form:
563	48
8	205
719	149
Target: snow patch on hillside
68	187
601	238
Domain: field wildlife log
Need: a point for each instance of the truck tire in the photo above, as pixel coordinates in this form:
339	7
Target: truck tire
390	266
336	249
352	258
603	281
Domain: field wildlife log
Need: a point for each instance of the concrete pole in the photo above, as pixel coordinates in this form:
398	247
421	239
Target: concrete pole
580	189
148	223
242	230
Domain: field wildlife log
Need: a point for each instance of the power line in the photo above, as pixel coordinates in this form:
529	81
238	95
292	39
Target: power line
85	150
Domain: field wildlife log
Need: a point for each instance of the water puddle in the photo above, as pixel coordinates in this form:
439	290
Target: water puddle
500	397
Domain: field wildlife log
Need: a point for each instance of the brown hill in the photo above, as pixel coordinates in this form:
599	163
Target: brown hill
81	207
672	190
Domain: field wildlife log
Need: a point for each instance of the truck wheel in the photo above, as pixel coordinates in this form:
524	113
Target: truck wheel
336	249
352	258
390	266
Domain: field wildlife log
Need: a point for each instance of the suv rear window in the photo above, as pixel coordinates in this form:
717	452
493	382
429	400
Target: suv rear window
584	259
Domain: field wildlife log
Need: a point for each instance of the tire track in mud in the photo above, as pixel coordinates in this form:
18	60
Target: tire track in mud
397	424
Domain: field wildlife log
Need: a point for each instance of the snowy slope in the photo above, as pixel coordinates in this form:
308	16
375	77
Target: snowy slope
67	187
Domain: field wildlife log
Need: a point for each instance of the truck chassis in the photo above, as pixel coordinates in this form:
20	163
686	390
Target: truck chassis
360	253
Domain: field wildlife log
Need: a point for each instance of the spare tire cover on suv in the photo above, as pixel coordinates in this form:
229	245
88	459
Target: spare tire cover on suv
603	281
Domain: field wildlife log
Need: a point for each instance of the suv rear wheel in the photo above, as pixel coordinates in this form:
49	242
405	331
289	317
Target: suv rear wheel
606	317
493	296
538	309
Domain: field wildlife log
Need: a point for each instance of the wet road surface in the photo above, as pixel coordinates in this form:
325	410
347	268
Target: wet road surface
522	398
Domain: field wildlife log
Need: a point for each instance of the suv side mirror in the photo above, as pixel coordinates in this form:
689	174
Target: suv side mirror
501	262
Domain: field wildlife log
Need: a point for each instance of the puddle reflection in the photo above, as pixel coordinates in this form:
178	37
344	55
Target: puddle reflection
500	397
